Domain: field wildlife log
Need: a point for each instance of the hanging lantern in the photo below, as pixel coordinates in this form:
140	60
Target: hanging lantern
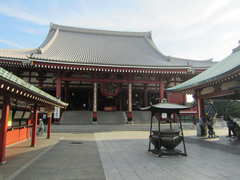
110	88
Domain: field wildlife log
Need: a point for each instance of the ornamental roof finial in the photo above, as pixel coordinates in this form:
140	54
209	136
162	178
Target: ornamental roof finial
237	48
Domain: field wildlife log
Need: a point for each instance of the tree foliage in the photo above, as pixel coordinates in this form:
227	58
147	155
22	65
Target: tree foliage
193	103
226	107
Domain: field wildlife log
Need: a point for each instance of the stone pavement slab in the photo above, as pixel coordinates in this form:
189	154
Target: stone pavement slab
121	155
64	156
207	158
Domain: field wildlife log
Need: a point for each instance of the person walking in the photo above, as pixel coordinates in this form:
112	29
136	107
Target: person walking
41	127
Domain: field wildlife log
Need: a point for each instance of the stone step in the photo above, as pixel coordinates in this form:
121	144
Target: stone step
115	127
111	117
76	117
120	117
142	117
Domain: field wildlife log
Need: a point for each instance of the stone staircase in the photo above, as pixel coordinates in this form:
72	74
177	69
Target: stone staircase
76	117
81	121
114	127
85	117
142	117
111	117
120	117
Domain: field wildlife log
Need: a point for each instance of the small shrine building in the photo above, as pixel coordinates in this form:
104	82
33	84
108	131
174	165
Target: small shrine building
221	81
99	70
20	102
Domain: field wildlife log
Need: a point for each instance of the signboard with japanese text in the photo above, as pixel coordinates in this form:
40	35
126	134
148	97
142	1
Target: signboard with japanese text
22	104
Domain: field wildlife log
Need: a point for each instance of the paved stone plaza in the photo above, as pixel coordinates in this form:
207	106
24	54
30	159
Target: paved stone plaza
120	155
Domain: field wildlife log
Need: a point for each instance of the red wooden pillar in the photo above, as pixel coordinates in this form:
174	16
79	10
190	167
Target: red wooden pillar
175	118
49	125
129	103
161	89
34	127
3	128
94	102
120	104
59	84
58	93
168	96
65	94
146	95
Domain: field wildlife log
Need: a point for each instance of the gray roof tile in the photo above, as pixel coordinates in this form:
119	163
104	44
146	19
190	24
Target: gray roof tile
81	46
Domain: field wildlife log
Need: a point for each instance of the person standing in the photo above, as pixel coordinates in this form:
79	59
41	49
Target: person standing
211	132
231	126
41	127
202	125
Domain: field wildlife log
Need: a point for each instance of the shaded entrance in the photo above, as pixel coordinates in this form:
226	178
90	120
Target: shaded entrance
80	100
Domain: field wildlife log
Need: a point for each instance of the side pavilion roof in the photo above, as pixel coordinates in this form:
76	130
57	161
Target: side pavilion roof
224	68
16	87
79	46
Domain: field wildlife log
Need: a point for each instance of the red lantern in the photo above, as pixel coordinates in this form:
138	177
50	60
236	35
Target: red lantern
110	88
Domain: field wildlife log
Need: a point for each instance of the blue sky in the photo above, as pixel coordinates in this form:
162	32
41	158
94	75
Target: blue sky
194	29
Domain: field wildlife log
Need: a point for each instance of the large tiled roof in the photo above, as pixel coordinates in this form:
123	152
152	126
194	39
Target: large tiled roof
223	68
71	45
16	53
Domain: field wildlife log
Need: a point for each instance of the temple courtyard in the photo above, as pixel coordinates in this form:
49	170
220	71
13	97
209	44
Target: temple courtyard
117	155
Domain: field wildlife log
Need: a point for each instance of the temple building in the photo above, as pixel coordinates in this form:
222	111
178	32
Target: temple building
101	70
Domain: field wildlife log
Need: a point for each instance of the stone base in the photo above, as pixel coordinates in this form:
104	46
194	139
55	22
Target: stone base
130	122
167	152
2	163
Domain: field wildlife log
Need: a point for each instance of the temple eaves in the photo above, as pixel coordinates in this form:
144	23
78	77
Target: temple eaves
221	70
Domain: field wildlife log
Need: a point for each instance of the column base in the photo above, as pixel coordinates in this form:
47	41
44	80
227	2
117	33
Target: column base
94	122
33	146
129	119
130	122
94	118
2	163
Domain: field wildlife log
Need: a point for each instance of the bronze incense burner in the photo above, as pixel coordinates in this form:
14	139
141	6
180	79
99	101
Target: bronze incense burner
165	141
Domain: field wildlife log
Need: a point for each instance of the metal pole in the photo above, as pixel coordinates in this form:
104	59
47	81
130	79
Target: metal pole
169	116
159	146
149	146
182	134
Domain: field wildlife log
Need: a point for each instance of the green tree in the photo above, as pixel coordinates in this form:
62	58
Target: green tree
193	103
227	107
237	109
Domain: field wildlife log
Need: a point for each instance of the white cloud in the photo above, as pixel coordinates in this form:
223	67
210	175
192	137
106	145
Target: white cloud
19	13
171	21
150	15
10	43
215	6
230	35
